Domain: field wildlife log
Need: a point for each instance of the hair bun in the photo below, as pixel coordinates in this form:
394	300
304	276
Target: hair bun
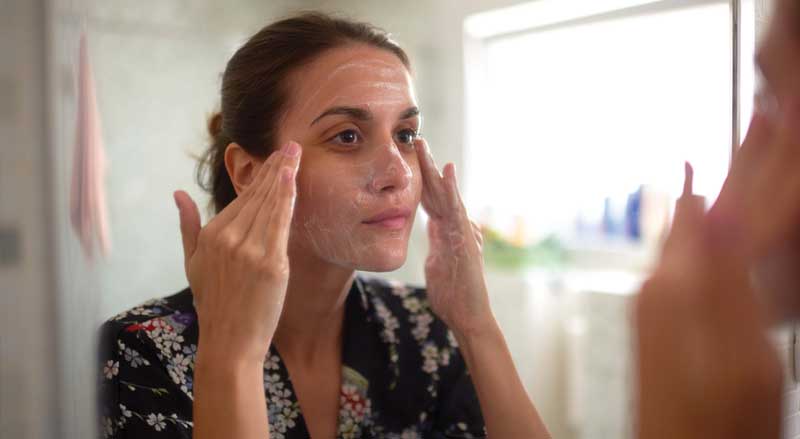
215	125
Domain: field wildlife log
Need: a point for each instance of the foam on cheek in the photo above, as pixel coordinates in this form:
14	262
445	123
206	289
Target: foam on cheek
331	227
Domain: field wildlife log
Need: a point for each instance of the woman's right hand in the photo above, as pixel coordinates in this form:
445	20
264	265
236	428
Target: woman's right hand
705	367
237	265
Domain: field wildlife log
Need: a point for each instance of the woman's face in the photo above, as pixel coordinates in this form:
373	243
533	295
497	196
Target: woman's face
779	60
355	114
779	54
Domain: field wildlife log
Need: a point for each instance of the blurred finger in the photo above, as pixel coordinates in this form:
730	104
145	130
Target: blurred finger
688	181
478	232
189	222
245	220
279	226
433	184
688	220
453	194
274	209
222	219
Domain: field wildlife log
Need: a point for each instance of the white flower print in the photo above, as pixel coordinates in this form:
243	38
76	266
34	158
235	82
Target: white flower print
108	426
390	323
422	325
171	341
399	289
177	368
156	421
430	355
355	409
272	362
111	369
444	357
124	411
190	350
452	340
282	411
430	366
412	304
413	348
134	358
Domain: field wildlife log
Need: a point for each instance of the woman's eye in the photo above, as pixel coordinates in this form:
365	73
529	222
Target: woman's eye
347	137
407	136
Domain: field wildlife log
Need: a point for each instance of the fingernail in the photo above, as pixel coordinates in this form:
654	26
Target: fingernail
292	149
287	174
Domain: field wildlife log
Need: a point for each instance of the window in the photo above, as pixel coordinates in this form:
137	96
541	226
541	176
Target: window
574	109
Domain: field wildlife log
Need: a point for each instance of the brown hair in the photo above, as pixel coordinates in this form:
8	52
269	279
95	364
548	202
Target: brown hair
254	87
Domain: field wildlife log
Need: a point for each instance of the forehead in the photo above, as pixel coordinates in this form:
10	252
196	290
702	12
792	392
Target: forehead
352	75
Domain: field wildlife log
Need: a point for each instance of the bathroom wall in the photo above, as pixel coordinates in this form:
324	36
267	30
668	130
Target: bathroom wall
27	294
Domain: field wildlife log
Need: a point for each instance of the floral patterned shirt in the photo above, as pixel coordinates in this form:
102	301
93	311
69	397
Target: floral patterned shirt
402	373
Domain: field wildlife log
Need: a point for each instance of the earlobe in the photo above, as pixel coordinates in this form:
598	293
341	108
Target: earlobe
240	165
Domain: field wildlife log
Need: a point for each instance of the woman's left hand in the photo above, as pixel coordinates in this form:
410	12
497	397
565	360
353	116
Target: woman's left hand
454	267
458	295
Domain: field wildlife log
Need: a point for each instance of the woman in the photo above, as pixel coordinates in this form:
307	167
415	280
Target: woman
276	336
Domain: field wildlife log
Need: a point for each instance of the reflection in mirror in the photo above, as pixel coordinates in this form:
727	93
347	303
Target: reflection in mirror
569	124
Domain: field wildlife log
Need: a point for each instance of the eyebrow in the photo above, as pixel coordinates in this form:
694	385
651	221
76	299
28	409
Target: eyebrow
361	114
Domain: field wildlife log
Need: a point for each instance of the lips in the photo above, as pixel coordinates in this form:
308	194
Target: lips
393	219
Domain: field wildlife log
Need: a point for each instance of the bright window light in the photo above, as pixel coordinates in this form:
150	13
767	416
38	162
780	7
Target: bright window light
562	118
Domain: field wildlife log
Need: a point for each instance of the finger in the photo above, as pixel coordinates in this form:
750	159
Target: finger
276	211
689	208
433	183
457	213
689	217
478	232
231	211
279	226
687	226
427	164
242	224
434	233
688	181
452	193
190	223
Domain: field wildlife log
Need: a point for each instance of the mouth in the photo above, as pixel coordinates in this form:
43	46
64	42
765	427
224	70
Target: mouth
391	219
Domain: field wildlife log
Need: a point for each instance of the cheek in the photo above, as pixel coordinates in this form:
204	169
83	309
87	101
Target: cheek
324	196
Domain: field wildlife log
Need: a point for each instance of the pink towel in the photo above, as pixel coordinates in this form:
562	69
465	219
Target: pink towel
87	198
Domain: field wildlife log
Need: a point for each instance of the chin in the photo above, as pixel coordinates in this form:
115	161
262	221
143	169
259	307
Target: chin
383	260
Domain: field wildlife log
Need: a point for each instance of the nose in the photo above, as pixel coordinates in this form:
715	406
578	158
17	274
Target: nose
392	173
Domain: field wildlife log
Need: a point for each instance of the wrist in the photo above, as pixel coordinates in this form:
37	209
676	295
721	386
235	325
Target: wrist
228	358
477	331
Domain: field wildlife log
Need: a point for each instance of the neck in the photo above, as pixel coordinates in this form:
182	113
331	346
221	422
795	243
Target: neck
311	323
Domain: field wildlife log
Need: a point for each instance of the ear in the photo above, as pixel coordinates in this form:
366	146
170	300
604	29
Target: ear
241	166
